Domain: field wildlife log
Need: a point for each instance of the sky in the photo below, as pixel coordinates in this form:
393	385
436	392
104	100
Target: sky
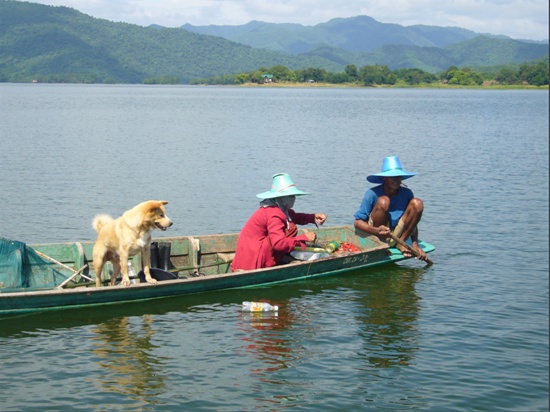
519	19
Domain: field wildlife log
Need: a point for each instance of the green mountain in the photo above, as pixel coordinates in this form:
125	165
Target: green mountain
480	51
487	51
363	41
46	42
358	34
60	44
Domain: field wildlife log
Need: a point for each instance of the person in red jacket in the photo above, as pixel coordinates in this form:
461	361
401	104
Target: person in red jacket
271	232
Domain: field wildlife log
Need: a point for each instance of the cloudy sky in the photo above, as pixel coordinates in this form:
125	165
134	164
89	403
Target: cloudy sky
520	19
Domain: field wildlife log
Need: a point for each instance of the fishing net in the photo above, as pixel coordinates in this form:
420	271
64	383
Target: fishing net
22	267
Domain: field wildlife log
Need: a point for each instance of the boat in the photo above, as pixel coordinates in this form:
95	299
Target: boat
60	275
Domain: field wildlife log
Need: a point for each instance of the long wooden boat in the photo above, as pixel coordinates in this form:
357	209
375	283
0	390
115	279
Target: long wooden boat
198	264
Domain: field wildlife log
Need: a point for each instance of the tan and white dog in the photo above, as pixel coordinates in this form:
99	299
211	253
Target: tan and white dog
118	239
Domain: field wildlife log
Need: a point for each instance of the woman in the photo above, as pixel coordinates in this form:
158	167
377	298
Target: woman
271	232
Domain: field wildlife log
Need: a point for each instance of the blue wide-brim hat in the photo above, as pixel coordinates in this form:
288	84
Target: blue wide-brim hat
282	186
391	167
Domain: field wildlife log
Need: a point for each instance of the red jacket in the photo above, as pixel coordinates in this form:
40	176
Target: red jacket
263	240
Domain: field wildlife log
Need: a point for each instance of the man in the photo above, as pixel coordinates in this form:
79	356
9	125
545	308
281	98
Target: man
391	208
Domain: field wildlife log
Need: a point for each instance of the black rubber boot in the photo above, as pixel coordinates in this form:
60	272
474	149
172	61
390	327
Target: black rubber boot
154	254
164	256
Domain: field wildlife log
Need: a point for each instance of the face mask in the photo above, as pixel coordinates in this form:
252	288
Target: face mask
288	202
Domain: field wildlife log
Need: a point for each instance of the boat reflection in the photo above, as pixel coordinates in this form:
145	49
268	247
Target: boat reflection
381	317
389	321
125	351
267	339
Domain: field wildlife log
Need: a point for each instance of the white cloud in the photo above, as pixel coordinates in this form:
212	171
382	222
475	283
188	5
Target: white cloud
526	19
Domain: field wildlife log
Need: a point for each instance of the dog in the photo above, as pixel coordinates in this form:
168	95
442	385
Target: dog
119	239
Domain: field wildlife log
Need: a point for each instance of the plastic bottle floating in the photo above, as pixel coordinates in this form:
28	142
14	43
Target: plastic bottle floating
259	307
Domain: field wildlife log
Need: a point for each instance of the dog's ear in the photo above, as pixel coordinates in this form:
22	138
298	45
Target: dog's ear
156	204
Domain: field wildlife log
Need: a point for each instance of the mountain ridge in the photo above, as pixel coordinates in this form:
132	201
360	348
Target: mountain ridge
359	34
61	44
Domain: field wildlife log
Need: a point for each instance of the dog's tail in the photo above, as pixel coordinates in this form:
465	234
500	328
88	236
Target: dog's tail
100	221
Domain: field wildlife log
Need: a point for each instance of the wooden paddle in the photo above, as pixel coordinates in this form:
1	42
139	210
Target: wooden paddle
409	248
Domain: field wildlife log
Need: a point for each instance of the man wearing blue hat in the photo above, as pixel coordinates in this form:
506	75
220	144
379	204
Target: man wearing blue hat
391	208
271	232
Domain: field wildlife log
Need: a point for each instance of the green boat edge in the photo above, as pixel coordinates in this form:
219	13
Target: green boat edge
210	255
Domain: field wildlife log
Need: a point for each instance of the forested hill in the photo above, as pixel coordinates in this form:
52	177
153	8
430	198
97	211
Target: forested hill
38	41
356	34
479	52
360	34
60	44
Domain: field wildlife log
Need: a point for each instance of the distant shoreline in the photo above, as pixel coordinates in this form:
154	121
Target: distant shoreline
388	86
321	85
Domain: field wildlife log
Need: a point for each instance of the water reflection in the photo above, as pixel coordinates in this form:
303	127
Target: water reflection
390	318
123	346
379	312
267	340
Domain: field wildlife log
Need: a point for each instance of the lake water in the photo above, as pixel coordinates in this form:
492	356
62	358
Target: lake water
468	333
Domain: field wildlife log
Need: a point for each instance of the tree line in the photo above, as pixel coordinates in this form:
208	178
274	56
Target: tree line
535	74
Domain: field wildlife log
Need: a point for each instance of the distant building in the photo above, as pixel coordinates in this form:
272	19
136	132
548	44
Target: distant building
267	78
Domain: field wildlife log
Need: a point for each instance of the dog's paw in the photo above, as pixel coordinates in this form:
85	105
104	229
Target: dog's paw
125	282
152	281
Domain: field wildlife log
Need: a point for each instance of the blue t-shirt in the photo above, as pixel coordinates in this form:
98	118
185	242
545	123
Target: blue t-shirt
398	204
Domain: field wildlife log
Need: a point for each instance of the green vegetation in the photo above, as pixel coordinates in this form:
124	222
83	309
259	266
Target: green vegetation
162	80
56	44
534	74
60	44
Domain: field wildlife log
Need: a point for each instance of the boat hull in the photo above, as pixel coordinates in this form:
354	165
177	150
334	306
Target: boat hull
205	272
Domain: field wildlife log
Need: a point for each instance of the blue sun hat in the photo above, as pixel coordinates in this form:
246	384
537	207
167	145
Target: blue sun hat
282	186
391	167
